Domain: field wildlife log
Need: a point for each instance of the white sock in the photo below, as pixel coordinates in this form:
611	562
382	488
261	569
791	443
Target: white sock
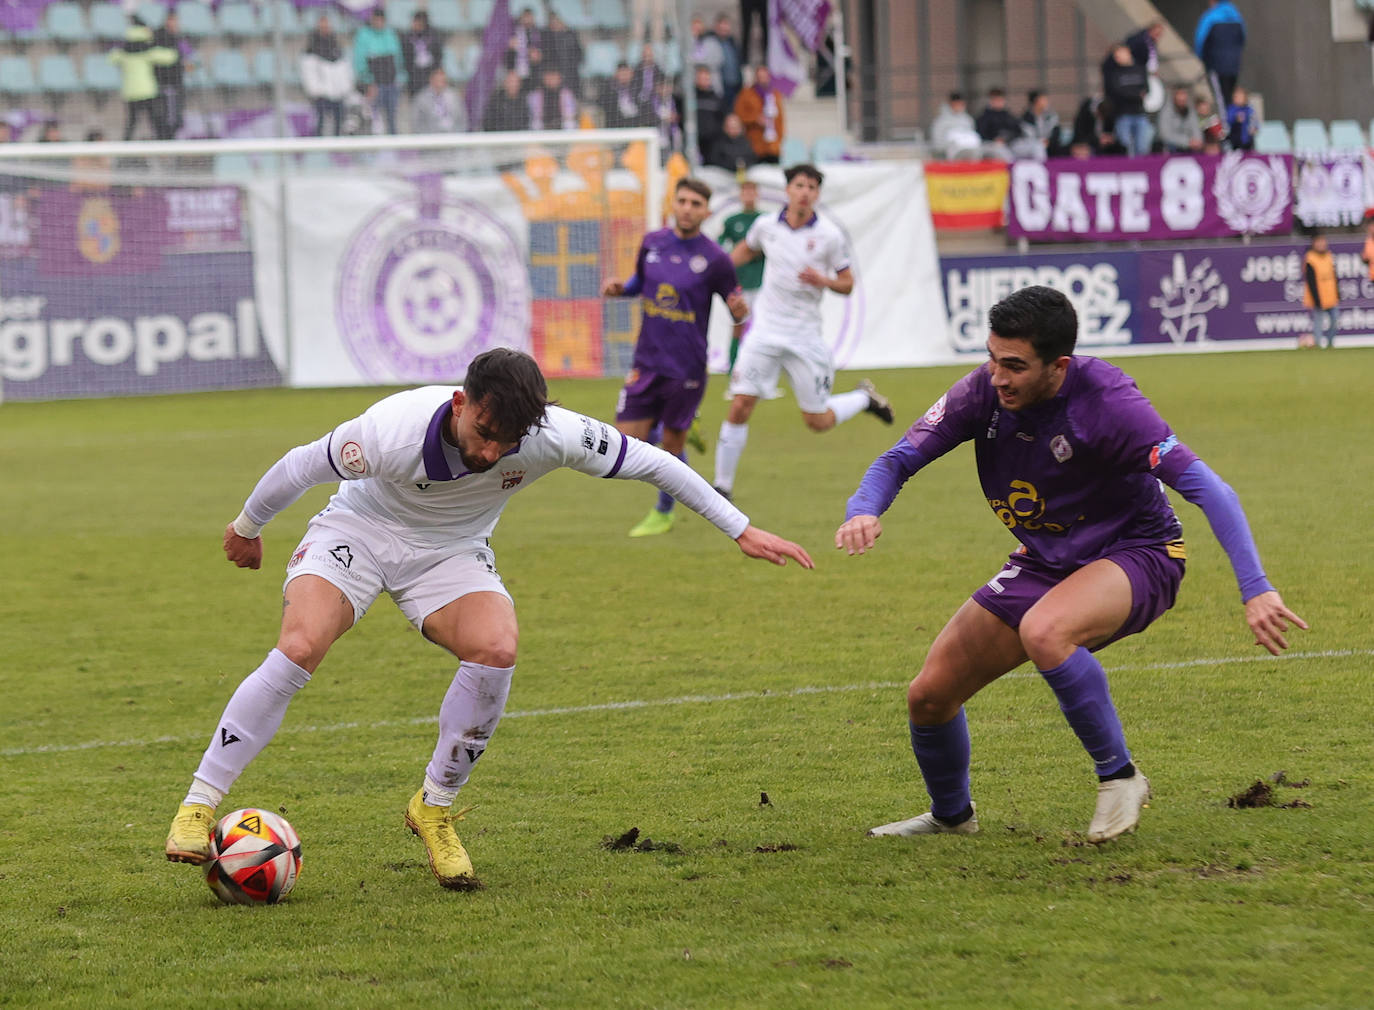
847	405
467	719
250	720
729	448
203	792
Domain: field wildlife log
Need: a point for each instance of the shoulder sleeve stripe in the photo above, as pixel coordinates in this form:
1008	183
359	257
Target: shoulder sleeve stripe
620	458
329	455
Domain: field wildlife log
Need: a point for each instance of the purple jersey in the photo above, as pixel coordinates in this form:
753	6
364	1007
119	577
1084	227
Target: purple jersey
676	278
1073	477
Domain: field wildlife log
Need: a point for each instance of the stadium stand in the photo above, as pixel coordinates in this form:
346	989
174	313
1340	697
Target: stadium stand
829	148
1273	138
66	23
1309	135
1346	135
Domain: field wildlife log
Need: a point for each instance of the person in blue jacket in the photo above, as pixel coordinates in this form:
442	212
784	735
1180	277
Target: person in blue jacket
379	65
1219	42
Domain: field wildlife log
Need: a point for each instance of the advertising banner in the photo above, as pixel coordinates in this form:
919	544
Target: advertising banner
1155	197
967	195
111	305
1330	189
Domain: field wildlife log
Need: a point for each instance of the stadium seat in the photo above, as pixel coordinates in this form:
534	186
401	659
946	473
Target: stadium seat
600	57
479	13
453	66
152	13
795	150
1309	135
229	69
100	75
667	56
1346	135
449	17
399	13
67	23
265	67
57	74
1273	138
574	13
108	22
518	7
609	14
289	21
196	20
830	148
16	76
234	165
239	21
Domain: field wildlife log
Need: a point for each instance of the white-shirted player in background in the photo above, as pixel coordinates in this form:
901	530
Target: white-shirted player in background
425	475
806	256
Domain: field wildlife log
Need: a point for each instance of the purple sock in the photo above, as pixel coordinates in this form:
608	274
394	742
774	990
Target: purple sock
665	500
943	754
1080	684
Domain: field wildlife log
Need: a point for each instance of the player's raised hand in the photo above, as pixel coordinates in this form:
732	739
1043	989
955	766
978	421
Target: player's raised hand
240	550
612	289
1269	619
858	534
759	543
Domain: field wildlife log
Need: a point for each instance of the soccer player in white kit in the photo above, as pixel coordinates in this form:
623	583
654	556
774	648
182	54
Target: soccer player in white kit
424	476
806	256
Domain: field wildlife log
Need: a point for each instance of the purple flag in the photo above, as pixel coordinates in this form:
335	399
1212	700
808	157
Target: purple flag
495	42
22	15
805	17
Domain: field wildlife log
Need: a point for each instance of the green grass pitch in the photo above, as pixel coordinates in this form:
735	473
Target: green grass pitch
665	684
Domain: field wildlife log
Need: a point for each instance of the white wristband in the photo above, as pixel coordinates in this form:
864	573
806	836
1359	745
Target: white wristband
246	528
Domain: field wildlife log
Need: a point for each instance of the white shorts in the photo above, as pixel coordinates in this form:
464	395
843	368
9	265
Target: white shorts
420	580
808	368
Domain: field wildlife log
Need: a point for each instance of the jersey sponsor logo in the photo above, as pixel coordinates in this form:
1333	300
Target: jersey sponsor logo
97	231
510	479
588	434
351	456
1158	452
1024	508
428	283
300	554
698	264
342	555
603	443
1060	448
936	413
992	422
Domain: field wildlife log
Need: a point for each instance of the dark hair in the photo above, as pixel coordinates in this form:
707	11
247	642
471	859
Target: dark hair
956	96
696	186
808	170
508	385
996	92
1032	95
1041	315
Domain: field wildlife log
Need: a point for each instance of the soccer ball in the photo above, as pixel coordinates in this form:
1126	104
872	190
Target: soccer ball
255	857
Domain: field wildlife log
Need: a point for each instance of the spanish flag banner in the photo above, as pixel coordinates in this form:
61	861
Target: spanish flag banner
966	195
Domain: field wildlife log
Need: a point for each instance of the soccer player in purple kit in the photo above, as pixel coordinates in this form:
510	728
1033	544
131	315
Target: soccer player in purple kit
677	271
1070	456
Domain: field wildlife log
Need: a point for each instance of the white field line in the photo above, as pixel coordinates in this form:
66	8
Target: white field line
687	699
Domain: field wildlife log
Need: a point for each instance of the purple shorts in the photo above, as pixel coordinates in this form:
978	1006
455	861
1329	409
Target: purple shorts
654	397
1154	577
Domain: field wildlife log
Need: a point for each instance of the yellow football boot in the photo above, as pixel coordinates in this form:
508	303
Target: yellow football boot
448	859
189	839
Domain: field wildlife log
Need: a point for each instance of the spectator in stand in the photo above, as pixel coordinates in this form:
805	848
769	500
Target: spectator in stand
437	109
1242	122
667	113
1180	131
378	65
954	133
50	133
748	9
620	104
136	60
562	50
1220	43
526	45
171	79
710	110
732	150
997	126
1041	126
553	106
422	49
707	52
1144	46
1094	128
1321	292
508	108
326	76
759	107
1213	129
1125	83
647	75
731	67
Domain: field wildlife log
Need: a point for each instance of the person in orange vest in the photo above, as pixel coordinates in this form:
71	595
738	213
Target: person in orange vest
1320	293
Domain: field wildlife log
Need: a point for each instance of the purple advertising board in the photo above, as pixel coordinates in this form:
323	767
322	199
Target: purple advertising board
116	307
1155	197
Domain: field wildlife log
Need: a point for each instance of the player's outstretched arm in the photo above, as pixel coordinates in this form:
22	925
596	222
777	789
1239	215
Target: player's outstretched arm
1269	619
241	550
759	543
858	535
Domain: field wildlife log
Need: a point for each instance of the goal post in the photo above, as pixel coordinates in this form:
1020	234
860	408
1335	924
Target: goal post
179	266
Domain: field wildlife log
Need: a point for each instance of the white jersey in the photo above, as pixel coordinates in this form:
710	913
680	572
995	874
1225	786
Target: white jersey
788	310
397	470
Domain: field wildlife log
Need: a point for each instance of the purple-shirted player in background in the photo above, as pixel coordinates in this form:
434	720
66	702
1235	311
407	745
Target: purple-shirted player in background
1070	455
677	271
